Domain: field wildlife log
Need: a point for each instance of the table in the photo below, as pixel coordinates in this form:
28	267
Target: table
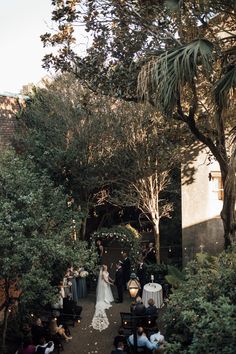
152	291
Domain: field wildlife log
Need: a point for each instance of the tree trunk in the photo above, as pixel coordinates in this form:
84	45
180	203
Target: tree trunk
228	211
156	233
4	333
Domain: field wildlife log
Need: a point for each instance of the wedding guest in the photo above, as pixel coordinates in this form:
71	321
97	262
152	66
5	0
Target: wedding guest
144	250
81	283
55	329
61	294
157	337
119	282
100	251
38	330
139	308
27	348
142	340
151	254
151	310
119	349
141	274
44	347
126	267
120	338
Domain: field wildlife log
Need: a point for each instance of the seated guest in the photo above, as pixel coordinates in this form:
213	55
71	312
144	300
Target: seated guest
38	330
119	349
55	329
151	310
157	337
120	338
142	340
139	308
27	348
44	347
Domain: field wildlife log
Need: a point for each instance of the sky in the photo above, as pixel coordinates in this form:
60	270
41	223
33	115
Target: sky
21	51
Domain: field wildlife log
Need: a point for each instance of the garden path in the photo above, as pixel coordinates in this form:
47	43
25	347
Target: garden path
86	340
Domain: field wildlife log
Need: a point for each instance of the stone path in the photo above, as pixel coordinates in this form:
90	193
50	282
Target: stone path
86	340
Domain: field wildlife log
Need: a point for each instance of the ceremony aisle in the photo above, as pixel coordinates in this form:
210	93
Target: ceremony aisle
86	340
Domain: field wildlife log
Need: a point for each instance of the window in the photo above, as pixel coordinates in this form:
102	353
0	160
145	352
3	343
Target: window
217	184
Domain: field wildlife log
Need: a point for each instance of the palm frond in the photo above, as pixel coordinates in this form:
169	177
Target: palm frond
225	87
161	79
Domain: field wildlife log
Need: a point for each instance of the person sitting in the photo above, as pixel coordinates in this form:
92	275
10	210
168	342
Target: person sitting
27	348
157	337
151	310
139	308
120	338
44	347
119	349
55	329
38	331
142	340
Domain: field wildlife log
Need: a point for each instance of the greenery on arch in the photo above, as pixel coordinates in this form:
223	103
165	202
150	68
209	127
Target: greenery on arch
125	234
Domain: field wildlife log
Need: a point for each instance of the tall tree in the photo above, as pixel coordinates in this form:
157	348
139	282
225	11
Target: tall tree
36	241
63	132
184	56
145	156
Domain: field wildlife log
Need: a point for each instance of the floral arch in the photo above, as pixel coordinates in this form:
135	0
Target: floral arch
126	235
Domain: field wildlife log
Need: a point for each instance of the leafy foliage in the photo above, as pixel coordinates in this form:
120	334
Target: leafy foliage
36	235
179	53
126	235
201	312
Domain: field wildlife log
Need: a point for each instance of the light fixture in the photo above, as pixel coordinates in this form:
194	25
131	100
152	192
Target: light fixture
133	285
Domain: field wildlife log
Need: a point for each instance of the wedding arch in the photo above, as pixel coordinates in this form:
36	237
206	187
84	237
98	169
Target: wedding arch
124	234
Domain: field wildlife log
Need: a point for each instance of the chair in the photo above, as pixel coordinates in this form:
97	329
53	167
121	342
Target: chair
127	322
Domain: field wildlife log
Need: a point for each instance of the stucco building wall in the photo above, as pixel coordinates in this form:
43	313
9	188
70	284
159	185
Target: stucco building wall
202	228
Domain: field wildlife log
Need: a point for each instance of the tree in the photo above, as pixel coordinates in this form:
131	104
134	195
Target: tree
36	240
145	156
63	132
201	311
180	54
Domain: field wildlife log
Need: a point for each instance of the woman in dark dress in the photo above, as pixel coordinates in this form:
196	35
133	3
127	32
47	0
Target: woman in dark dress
81	283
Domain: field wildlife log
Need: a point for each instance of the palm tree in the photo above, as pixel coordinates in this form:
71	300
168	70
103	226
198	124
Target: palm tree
193	84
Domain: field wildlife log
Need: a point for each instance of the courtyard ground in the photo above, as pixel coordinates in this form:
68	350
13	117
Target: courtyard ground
87	340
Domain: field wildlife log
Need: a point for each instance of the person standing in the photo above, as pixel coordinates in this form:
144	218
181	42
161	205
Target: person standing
150	257
141	274
126	268
119	282
100	251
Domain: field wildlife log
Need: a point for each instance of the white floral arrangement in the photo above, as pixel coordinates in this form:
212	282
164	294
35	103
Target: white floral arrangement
83	274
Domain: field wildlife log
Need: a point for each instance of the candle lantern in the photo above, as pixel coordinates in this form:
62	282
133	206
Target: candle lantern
133	285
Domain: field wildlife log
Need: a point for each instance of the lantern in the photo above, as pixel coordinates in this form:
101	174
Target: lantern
133	285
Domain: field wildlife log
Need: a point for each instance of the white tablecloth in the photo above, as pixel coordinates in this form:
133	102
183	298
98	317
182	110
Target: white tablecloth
152	291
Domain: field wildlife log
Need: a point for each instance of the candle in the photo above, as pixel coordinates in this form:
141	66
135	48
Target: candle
152	277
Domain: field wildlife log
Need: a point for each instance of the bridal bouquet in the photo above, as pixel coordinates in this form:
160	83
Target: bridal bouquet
83	274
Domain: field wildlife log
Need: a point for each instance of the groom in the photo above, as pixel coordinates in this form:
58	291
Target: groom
119	282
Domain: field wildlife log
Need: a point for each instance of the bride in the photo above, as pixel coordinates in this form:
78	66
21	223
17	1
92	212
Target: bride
103	300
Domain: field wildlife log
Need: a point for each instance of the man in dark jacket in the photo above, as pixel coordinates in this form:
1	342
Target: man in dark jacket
141	274
119	282
126	268
119	349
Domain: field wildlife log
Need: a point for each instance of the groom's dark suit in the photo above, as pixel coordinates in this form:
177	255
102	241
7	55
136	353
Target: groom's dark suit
119	283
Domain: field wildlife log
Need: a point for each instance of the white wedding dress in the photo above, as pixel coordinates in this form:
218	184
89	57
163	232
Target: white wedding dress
103	302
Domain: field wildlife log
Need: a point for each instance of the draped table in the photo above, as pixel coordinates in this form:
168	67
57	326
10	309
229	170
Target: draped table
152	291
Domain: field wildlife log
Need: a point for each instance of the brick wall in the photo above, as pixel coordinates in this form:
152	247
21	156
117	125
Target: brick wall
8	109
